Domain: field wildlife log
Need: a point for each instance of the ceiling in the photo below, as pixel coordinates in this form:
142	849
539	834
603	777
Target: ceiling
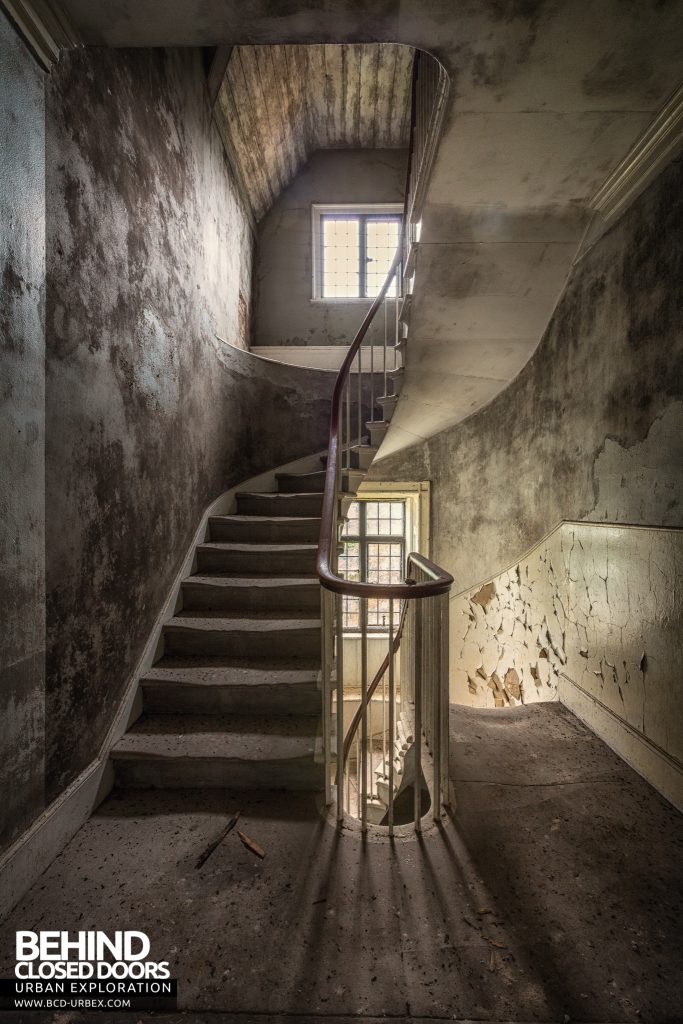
546	98
278	104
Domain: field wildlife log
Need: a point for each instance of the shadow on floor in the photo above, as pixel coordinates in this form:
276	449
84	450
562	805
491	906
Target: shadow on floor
553	894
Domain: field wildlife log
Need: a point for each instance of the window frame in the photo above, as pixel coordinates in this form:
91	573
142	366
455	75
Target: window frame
360	210
363	539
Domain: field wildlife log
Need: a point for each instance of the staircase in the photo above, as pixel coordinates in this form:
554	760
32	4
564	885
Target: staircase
235	701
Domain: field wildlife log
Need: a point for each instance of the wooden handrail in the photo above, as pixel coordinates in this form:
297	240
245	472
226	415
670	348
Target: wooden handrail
440	581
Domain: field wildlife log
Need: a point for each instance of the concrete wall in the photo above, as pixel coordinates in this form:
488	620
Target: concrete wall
22	435
150	415
591	430
284	311
592	616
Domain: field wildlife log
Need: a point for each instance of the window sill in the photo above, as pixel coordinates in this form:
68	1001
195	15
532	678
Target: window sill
340	301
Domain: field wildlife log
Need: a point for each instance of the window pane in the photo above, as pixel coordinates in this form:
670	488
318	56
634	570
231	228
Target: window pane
385	518
349	561
352	526
340	255
378	615
381	239
385	562
351	614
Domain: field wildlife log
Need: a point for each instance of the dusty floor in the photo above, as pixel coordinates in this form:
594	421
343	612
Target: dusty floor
555	894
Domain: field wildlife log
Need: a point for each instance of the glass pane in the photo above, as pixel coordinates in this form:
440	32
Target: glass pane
349	561
378	615
385	562
351	614
340	256
352	526
385	518
381	239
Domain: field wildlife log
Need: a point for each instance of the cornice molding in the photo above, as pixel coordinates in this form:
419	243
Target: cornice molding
44	27
661	141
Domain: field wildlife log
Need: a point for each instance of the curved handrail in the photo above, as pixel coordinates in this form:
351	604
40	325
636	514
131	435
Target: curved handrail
441	580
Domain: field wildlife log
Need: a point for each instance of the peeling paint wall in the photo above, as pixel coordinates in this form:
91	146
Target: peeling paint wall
592	428
285	314
150	416
22	435
593	615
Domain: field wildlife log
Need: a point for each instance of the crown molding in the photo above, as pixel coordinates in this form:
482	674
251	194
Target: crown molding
661	141
44	27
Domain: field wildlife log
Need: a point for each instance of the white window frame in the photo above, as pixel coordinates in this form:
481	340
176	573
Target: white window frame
317	211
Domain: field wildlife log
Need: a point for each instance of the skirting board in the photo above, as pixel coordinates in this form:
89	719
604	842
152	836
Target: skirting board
33	852
654	764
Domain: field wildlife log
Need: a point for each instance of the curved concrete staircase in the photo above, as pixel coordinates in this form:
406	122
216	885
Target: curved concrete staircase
235	700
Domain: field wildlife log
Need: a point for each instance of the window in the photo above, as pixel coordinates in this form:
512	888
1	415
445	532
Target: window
374	552
353	248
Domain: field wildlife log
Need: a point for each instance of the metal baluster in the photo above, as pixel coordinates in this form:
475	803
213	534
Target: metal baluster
339	600
444	732
327	690
372	381
364	719
392	716
348	422
360	391
386	339
396	321
417	684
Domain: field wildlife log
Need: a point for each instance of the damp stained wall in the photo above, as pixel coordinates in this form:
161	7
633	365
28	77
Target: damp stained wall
285	313
590	431
22	435
152	407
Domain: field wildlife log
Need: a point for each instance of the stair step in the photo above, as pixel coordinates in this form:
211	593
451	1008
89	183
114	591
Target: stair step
252	594
256	636
265	529
378	429
397	377
276	686
263	559
406	305
275	504
232	751
361	456
315	482
388	405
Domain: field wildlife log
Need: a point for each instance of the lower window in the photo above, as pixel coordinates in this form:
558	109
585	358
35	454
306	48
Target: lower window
374	539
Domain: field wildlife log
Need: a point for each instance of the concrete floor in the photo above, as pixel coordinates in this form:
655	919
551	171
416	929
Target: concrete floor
555	894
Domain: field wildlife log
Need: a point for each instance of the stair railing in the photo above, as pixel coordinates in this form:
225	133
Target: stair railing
420	687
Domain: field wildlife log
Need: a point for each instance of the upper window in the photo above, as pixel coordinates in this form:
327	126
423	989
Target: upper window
353	247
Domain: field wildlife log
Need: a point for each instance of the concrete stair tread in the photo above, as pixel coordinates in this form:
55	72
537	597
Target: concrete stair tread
216	619
257	520
225	579
279	495
258	548
229	737
225	671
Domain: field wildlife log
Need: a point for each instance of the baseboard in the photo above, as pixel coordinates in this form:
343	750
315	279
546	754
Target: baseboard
662	771
33	852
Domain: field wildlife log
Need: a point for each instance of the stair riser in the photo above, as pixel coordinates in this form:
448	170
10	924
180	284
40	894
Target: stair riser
377	434
202	597
255	532
300	643
297	505
350	484
272	563
313	482
190	773
173	698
